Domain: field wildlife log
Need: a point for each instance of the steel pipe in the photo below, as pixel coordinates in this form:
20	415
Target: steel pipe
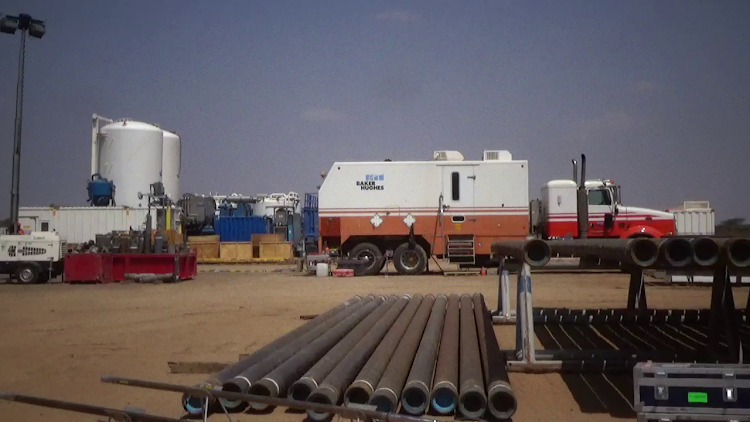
194	406
386	395
735	252
472	401
641	252
535	252
360	391
332	387
706	251
323	353
444	394
675	252
501	400
304	386
416	395
242	382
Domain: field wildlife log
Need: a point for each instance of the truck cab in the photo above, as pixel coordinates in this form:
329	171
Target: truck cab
608	217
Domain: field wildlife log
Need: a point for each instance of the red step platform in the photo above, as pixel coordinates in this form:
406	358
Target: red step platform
110	268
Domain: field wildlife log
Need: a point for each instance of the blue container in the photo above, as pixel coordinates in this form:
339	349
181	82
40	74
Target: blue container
101	191
240	229
310	216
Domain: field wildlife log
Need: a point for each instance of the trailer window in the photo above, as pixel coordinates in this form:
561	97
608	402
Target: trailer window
455	194
599	197
45	226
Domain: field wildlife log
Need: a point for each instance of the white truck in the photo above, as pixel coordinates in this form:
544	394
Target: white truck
32	258
454	209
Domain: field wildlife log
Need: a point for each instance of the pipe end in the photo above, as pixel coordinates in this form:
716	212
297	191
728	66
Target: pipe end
472	403
265	387
359	392
385	400
501	401
322	395
444	398
415	397
235	385
302	389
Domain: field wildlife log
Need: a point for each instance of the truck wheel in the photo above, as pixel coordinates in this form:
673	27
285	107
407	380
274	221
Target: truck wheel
27	274
410	261
369	253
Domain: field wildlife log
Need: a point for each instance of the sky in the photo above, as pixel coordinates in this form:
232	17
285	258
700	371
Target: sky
267	94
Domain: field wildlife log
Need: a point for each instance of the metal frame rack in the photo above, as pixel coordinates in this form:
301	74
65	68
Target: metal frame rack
722	318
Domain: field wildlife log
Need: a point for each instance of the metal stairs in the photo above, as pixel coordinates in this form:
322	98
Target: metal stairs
460	249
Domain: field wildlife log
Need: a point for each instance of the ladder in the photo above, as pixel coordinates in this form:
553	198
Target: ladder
460	249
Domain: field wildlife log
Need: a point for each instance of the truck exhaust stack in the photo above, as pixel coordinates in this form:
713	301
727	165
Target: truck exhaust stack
582	202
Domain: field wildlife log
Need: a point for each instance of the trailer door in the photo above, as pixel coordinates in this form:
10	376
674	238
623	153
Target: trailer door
458	191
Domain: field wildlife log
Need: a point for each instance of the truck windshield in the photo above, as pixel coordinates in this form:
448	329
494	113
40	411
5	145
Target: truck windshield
599	197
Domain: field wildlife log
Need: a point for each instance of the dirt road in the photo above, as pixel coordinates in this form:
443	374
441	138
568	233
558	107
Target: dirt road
58	339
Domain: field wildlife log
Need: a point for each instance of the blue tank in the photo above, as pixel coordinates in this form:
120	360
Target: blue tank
101	192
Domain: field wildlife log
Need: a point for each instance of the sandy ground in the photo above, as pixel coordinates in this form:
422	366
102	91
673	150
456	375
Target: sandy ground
58	339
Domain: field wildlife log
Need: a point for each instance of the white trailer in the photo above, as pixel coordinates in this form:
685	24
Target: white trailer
32	257
81	224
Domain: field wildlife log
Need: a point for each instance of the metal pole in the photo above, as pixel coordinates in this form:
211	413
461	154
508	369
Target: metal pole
16	176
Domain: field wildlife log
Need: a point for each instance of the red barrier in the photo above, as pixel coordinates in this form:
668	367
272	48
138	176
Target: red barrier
108	268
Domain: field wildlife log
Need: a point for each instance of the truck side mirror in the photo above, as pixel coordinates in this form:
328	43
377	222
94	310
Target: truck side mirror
609	221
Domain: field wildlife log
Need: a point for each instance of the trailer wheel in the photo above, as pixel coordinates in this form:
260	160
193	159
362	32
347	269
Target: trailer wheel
27	274
372	254
410	261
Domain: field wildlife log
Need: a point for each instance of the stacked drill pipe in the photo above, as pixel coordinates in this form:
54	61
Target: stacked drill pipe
333	386
735	252
387	394
501	400
349	317
534	252
361	390
195	405
472	400
444	393
416	395
675	252
323	353
638	252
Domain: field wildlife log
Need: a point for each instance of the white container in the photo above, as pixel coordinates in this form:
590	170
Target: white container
81	224
130	155
321	270
694	218
267	205
171	164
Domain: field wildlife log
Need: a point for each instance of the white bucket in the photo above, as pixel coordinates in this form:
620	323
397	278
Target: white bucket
321	269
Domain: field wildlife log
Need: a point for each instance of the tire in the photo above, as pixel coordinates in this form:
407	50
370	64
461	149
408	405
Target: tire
372	254
410	261
27	274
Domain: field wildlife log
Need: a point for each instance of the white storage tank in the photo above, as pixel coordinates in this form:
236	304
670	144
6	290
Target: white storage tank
130	155
171	164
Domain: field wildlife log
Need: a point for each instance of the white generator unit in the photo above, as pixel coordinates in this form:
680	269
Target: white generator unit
33	257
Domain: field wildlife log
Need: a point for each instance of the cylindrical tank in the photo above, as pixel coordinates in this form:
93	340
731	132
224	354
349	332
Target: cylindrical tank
130	155
171	163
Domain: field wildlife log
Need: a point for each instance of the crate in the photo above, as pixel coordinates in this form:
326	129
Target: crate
195	240
236	251
691	389
276	250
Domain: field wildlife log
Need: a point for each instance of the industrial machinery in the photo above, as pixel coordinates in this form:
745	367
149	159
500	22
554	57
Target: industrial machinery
33	257
101	192
198	212
454	209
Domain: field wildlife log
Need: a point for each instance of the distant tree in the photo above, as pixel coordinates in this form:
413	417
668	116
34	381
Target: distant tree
733	227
